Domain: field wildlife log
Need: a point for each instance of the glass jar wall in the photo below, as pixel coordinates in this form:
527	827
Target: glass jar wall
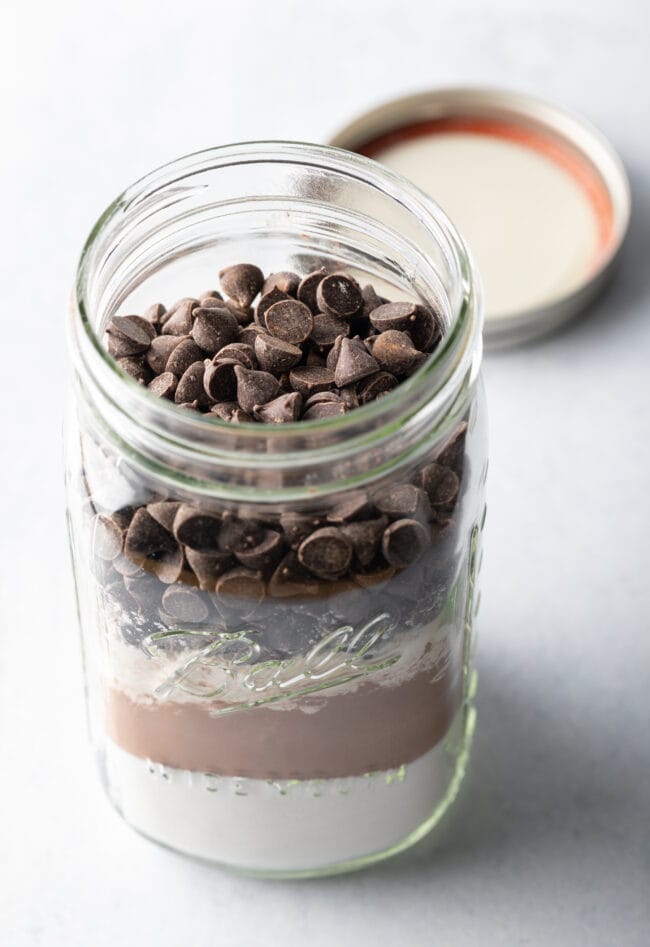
250	706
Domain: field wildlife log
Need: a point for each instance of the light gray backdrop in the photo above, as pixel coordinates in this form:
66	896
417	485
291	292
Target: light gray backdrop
549	841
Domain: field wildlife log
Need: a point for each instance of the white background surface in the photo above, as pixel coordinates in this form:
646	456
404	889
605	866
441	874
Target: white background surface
549	842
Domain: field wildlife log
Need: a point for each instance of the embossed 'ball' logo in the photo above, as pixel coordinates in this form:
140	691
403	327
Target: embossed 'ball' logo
343	655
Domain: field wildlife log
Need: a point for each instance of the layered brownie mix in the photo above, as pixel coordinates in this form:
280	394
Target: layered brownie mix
296	644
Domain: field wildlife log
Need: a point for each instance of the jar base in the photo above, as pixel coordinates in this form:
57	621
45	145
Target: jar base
290	828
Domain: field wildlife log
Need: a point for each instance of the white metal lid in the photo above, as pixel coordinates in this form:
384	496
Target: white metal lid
540	196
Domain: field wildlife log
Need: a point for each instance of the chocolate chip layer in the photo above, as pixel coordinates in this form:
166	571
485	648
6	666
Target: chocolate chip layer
321	332
275	350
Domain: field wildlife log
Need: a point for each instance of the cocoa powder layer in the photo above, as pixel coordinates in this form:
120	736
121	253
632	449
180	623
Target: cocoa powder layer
346	734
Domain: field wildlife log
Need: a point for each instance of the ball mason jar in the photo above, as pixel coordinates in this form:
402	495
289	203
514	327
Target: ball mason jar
244	710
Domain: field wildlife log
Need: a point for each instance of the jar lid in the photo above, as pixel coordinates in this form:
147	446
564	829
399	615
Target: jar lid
540	196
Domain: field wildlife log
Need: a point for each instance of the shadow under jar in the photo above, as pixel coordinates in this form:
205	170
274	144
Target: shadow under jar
245	710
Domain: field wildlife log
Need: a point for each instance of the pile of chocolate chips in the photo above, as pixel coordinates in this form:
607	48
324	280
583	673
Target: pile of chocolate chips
290	581
309	348
297	574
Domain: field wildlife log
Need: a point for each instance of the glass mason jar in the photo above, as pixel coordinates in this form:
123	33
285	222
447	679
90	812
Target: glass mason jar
244	710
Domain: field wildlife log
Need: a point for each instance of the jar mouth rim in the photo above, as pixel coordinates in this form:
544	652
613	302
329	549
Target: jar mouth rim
450	357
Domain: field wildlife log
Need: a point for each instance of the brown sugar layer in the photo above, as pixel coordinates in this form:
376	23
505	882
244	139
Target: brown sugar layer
347	734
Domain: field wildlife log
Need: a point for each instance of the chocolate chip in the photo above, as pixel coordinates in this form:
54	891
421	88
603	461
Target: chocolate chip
190	387
322	397
212	302
350	398
154	313
184	604
134	328
241	589
254	388
286	282
129	335
309	380
326	553
453	453
164	512
197	529
126	567
353	364
185	353
150	546
425	329
240	417
124	516
403	542
276	355
145	590
209	294
208	566
164	386
285	384
242	283
248	334
108	537
220	381
160	350
289	320
329	409
237	534
441	526
291	580
339	296
297	526
398	316
268	299
370	300
136	367
440	484
225	409
376	386
242	316
327	328
180	320
403	500
395	353
282	410
355	507
239	352
365	537
314	359
308	288
369	341
334	352
214	328
190	301
265	555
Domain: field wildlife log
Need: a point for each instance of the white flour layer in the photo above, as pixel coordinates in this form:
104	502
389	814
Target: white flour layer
277	825
146	676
